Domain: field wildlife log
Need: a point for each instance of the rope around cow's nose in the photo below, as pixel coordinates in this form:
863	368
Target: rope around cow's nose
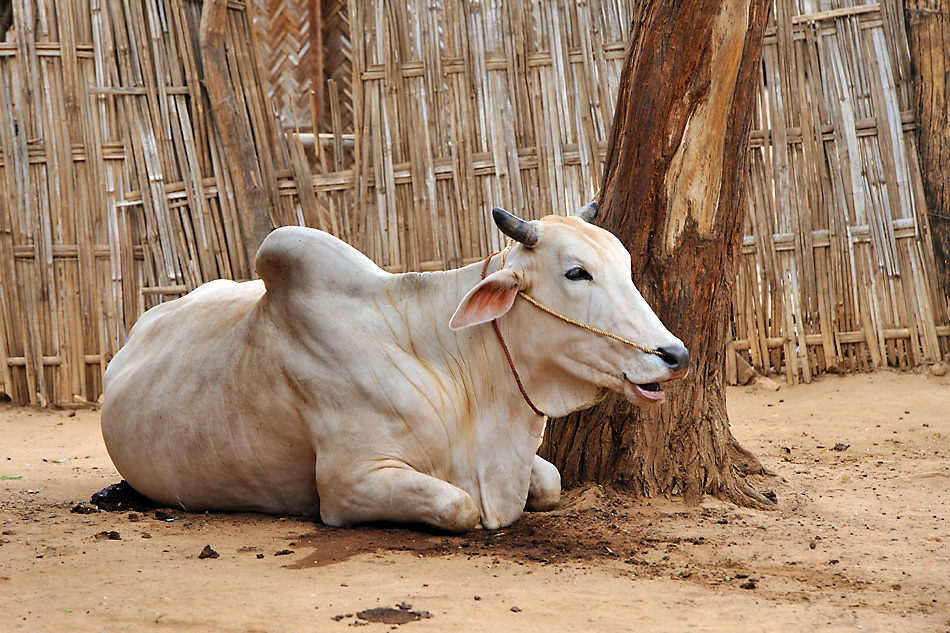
567	319
504	346
589	328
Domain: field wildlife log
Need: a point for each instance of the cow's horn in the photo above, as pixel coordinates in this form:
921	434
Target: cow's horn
514	227
588	212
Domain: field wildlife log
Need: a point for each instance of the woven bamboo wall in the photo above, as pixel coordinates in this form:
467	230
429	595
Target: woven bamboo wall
282	33
115	193
837	273
460	106
338	62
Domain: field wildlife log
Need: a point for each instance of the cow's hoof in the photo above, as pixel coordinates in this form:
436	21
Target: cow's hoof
543	504
544	491
459	515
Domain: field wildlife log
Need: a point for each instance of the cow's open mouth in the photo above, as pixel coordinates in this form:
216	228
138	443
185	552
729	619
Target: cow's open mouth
644	393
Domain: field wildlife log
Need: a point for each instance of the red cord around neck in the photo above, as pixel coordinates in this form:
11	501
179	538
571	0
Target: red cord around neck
511	363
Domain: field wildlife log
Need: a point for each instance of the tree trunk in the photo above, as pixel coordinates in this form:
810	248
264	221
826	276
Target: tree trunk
673	193
928	31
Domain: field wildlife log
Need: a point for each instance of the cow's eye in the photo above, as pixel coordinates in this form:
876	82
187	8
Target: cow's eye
577	273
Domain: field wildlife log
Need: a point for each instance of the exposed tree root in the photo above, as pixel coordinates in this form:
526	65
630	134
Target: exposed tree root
745	462
764	501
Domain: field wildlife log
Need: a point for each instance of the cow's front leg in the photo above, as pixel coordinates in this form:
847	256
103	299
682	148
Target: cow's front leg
397	494
544	491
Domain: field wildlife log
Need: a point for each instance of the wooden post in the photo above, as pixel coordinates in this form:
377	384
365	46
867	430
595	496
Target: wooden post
316	62
928	31
252	200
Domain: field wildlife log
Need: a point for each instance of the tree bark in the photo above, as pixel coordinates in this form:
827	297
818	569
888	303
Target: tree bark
928	35
673	190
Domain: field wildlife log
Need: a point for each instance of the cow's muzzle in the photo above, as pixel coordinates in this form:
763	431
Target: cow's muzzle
676	358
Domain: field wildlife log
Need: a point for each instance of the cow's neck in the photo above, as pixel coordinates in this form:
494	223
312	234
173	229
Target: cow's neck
495	434
474	352
534	343
501	430
549	386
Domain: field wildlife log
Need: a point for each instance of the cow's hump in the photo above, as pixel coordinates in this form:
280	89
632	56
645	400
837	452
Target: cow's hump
295	257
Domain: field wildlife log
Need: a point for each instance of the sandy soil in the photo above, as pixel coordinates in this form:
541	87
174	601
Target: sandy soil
861	540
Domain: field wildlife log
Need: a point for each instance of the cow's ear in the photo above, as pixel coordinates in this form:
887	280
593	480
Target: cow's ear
490	299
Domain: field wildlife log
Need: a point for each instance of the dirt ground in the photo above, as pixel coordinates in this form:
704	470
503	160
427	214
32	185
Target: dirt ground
861	540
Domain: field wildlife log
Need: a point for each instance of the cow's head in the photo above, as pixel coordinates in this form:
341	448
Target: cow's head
581	272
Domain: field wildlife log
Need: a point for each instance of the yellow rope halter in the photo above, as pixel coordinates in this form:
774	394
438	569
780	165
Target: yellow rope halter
504	346
566	319
536	304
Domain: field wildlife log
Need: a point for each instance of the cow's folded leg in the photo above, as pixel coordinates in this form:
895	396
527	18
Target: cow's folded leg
402	495
544	492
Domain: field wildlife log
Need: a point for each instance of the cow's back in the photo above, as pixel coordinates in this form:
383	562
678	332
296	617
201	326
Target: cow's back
184	419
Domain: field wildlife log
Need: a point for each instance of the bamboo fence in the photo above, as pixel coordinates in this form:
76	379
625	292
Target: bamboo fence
836	271
283	36
116	190
114	187
285	45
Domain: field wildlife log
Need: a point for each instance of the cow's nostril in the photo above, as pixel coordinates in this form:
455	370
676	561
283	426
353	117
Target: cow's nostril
676	356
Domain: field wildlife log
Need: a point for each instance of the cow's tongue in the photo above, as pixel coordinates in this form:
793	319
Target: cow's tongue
650	391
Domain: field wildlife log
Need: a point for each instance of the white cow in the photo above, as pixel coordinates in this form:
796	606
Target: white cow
332	387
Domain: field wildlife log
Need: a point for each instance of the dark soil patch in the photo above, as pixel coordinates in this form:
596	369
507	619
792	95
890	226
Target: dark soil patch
549	537
388	615
121	497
